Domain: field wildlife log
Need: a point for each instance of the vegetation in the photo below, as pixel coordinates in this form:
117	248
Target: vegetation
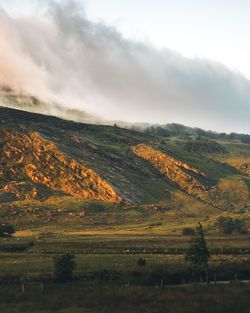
63	267
107	277
78	298
6	230
115	257
141	262
203	145
198	254
181	130
227	225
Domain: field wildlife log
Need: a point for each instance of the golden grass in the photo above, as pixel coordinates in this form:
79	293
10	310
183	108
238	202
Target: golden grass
26	233
105	232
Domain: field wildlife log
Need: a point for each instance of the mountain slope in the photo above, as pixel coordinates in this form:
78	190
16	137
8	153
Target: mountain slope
43	157
228	193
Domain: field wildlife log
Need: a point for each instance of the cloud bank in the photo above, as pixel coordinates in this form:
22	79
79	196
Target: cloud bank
67	59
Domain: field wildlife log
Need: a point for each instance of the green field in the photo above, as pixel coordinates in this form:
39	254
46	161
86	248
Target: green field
117	253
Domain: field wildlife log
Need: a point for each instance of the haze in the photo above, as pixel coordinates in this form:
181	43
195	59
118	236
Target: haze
139	64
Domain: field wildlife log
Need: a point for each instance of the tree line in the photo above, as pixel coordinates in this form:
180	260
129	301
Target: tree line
175	129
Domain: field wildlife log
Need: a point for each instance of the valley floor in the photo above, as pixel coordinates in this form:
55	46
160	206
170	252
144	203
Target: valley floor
75	298
32	256
108	279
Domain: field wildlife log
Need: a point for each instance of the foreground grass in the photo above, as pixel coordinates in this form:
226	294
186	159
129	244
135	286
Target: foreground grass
74	298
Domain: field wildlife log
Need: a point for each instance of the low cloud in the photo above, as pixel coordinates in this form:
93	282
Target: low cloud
69	60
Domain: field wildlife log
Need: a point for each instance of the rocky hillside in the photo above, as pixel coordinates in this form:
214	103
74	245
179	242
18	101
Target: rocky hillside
227	193
27	159
43	157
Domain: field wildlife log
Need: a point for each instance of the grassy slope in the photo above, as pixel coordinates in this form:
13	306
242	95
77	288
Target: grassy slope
157	203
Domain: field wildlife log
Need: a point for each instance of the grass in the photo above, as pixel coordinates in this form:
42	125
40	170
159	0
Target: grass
89	294
74	298
35	266
64	215
111	252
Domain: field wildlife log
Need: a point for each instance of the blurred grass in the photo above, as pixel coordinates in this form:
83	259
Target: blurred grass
75	298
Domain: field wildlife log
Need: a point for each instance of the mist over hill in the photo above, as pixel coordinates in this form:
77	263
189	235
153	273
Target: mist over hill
81	65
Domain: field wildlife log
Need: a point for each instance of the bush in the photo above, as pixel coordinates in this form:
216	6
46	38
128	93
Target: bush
106	275
243	231
64	266
204	145
6	230
188	231
141	262
227	225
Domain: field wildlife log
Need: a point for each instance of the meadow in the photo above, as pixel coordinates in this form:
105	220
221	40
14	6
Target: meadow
32	256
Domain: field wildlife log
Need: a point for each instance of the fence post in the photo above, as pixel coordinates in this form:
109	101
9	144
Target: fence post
235	276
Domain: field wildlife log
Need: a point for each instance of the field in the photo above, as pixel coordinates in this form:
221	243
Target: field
116	252
77	298
107	277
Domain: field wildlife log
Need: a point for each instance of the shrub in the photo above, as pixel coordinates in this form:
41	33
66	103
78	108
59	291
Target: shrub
6	230
106	275
64	266
141	262
227	225
204	145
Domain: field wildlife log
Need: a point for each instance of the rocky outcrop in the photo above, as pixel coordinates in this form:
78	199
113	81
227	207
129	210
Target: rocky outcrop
29	156
228	193
182	174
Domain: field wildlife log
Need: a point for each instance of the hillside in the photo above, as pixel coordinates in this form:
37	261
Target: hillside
49	165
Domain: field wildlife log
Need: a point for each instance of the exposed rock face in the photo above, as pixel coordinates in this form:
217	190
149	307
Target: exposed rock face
29	156
182	174
227	194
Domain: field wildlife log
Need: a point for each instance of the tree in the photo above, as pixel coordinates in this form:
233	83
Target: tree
141	262
198	254
64	266
6	230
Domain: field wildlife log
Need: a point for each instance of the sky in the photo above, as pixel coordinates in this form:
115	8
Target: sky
188	58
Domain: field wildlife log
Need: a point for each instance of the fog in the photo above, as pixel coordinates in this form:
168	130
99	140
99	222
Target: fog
66	59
